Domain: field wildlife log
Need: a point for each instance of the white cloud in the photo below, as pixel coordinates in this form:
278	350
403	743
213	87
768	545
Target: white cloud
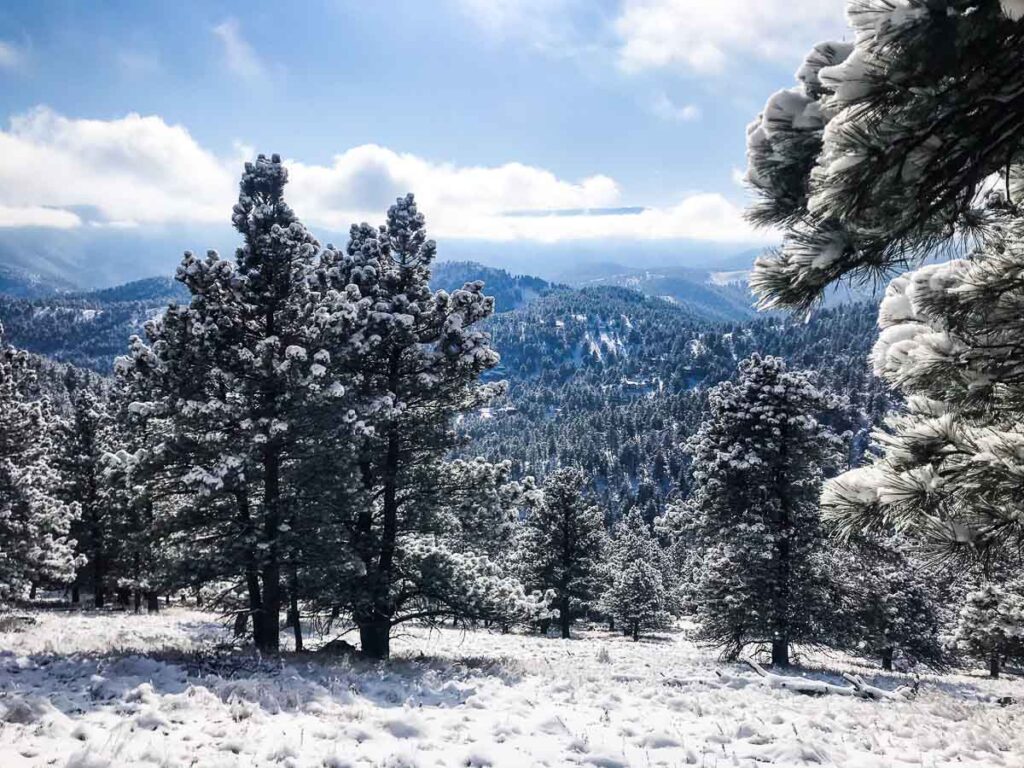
475	202
700	216
239	56
705	37
10	55
37	216
138	171
362	182
133	168
667	109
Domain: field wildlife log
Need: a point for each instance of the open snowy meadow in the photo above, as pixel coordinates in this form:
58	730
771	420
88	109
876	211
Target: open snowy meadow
102	690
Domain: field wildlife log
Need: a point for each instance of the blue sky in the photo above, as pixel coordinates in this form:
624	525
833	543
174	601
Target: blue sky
138	115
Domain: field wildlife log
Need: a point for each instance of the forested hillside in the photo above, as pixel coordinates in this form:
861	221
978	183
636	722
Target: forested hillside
90	329
604	377
87	330
615	381
721	294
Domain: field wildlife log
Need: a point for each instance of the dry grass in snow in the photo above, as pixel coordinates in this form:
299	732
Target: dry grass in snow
111	690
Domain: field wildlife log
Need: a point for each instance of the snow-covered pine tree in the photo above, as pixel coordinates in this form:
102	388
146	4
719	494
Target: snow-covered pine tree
885	151
415	367
637	596
890	600
225	388
484	503
35	522
915	147
563	544
148	556
758	463
991	625
80	449
949	468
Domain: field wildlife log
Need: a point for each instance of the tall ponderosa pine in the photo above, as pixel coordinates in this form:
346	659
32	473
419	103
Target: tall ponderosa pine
80	461
562	545
758	463
143	551
226	387
415	367
35	545
908	143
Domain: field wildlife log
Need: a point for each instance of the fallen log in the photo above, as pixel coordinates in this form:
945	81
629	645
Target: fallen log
857	687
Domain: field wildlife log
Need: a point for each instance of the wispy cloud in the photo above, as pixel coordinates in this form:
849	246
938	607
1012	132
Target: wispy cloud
140	170
558	28
706	37
239	56
135	63
667	109
11	55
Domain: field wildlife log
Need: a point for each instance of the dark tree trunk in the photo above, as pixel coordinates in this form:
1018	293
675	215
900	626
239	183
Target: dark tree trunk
100	596
564	617
252	583
123	595
32	591
241	623
76	595
199	597
887	659
543	626
780	652
611	624
780	602
252	577
137	599
375	638
271	641
152	602
294	619
993	666
375	620
636	631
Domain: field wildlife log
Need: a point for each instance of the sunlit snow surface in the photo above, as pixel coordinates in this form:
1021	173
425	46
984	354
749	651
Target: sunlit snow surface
98	691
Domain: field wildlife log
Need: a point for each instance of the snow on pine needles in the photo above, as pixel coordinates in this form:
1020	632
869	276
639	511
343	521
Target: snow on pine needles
111	690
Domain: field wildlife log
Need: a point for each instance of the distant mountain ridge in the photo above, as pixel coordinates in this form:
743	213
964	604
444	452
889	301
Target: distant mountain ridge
696	289
91	328
15	281
510	291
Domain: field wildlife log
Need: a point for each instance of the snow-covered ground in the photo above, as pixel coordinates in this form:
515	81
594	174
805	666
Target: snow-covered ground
98	691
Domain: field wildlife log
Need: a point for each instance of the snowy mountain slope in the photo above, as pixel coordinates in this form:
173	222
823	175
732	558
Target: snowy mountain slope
696	289
510	291
117	690
86	329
